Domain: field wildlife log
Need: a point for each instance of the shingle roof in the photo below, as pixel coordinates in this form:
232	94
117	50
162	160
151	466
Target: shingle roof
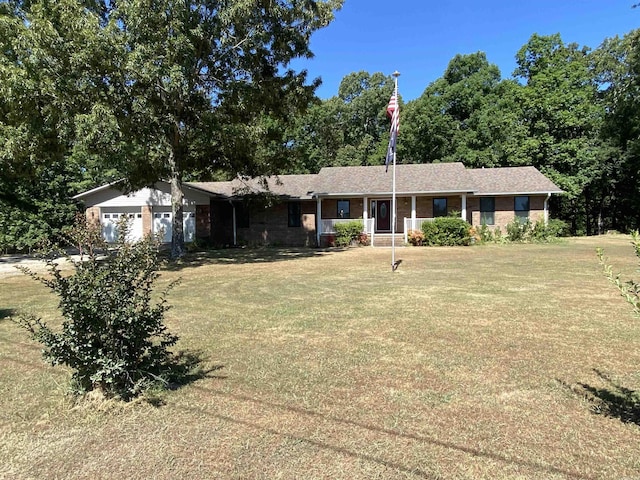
510	180
411	178
422	178
295	186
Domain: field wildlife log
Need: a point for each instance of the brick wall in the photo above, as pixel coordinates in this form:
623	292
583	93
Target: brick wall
504	213
424	205
330	207
270	226
93	215
147	219
203	222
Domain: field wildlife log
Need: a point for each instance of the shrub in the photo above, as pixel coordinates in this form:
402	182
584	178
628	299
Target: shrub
629	289
485	234
446	231
112	336
348	232
558	228
415	237
518	231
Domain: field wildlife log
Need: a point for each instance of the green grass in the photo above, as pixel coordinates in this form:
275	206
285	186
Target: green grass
468	362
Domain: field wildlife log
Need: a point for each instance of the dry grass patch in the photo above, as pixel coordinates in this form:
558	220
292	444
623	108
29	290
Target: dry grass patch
464	363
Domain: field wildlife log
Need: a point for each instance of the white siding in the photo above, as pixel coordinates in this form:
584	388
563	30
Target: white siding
159	196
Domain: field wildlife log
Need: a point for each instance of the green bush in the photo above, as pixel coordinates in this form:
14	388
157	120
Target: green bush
348	232
558	228
112	336
518	231
485	234
629	289
446	231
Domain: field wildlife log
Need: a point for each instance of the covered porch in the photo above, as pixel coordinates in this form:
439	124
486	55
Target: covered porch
378	216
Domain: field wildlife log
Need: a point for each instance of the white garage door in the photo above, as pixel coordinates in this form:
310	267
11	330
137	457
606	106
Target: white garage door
109	221
163	222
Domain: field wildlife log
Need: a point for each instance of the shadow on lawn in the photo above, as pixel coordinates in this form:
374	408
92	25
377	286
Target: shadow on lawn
185	368
544	468
614	400
6	313
235	256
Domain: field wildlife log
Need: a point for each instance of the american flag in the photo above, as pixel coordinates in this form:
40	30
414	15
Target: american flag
393	112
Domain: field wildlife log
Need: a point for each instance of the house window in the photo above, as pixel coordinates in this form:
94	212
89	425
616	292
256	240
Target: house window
242	215
521	208
439	207
487	211
295	214
343	209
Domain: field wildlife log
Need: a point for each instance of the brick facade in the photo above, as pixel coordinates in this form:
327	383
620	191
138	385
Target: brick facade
93	215
330	208
504	212
270	226
147	219
203	222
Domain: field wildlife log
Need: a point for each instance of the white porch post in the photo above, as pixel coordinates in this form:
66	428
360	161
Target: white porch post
546	209
235	227
463	213
365	213
413	212
318	219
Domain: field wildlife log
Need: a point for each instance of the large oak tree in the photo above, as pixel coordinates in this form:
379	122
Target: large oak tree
159	88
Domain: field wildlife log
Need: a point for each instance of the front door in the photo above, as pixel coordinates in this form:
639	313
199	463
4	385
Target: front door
383	216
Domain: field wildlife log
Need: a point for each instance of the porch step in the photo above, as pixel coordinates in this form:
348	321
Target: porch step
384	240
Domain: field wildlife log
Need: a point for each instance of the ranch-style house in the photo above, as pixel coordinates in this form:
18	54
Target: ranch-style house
302	210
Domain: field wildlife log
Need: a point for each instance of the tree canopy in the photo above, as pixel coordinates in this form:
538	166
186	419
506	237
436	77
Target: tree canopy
94	91
156	89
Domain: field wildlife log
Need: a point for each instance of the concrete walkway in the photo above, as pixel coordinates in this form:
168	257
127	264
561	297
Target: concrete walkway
8	263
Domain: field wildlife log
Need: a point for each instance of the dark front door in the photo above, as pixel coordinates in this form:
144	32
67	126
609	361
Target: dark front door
383	215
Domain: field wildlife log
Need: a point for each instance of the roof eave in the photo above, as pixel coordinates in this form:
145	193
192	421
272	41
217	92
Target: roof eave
370	194
82	195
537	192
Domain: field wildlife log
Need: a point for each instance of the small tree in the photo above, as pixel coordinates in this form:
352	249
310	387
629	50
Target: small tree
112	335
629	289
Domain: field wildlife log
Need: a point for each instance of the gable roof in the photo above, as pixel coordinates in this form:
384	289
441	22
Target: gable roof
510	180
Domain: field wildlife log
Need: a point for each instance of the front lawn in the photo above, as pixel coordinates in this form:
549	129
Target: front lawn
496	361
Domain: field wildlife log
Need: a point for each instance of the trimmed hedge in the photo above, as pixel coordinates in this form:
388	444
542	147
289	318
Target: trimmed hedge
446	231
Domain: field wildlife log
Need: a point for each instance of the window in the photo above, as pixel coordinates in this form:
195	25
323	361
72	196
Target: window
242	215
295	214
439	207
521	208
487	211
343	209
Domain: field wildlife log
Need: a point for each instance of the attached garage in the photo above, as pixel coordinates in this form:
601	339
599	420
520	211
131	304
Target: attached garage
163	224
148	211
111	216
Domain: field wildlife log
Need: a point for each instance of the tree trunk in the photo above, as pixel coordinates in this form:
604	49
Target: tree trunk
177	209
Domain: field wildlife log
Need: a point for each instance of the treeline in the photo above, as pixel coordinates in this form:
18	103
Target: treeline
572	112
85	101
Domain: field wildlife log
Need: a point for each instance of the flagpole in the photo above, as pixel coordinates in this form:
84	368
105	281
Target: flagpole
396	74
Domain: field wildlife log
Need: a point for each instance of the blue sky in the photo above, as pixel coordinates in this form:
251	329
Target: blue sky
419	37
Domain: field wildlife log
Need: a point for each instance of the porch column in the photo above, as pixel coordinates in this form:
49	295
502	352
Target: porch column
365	213
235	228
546	209
463	213
413	212
318	219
